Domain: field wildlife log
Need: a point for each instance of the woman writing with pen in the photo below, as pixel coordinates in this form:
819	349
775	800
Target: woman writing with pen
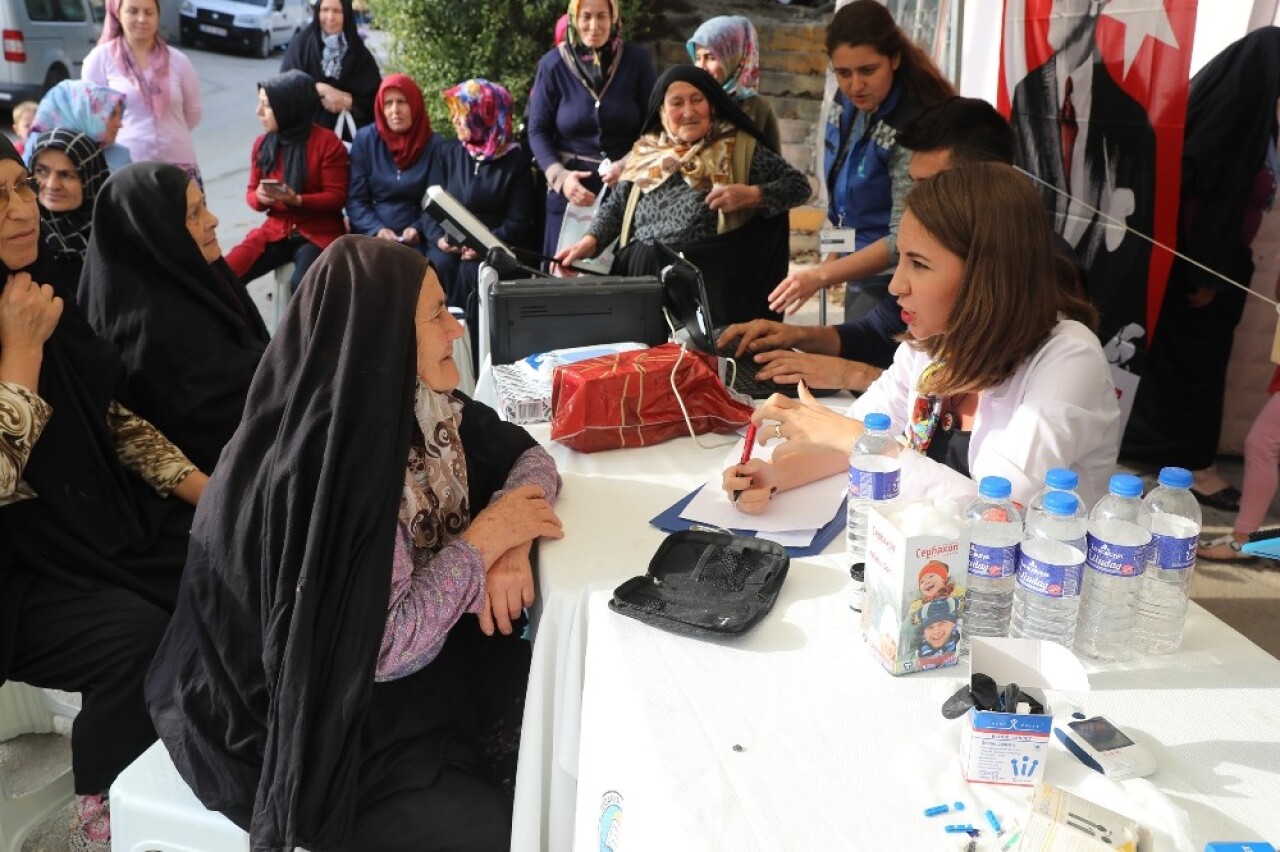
999	374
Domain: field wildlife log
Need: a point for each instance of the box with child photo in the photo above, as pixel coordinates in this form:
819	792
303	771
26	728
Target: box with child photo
917	560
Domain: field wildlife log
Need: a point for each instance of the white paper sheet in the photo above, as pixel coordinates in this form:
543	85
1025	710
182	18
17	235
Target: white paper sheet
808	507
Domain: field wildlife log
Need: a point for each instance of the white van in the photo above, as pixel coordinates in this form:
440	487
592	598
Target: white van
45	42
257	26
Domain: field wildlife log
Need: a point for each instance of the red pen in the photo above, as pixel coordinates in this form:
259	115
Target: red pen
746	454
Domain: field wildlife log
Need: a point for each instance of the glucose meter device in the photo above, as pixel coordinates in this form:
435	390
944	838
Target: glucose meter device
1104	748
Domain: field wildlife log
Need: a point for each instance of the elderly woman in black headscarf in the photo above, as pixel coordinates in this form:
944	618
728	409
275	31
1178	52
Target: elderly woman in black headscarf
157	287
298	176
335	680
704	180
70	168
94	514
331	51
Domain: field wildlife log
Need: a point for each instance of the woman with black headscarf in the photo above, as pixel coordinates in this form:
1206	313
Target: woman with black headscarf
157	287
94	539
703	180
334	680
70	168
298	176
346	75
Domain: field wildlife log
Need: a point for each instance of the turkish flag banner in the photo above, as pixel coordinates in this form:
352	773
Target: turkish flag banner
1096	91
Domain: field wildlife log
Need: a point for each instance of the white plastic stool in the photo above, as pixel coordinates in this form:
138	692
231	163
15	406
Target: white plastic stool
153	810
27	710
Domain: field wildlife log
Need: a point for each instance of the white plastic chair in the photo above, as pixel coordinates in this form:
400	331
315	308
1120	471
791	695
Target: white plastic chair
27	710
153	810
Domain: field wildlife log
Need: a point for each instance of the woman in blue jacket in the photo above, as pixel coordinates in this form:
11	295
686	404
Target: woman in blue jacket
589	101
393	161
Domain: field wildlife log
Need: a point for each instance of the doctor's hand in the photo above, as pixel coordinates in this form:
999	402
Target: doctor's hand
788	367
508	590
806	424
755	483
795	290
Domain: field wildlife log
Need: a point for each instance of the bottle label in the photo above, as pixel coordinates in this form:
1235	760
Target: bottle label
873	484
1118	560
993	561
1049	580
1173	553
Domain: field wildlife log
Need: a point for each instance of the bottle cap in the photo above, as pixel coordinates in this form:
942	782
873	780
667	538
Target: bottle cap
876	421
1126	485
1060	503
1061	478
995	487
1175	477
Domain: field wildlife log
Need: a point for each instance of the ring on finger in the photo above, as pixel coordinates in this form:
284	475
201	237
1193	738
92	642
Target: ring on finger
777	431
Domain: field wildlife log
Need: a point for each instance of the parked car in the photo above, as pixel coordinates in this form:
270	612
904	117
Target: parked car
256	26
45	42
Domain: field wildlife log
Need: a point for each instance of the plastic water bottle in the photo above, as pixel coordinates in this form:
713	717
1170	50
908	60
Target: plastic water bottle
1119	536
1046	599
995	531
1166	584
874	471
1060	479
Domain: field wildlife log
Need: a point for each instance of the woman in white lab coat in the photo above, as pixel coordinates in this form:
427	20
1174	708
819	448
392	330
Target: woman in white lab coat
999	374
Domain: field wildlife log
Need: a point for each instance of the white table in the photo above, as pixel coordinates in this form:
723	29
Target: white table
606	502
835	753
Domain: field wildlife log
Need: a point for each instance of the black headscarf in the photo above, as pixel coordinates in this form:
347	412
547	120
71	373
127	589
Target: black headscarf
289	571
93	522
67	232
190	335
359	75
294	101
723	105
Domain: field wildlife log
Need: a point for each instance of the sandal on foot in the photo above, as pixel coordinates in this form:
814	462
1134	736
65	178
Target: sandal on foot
1223	549
1227	499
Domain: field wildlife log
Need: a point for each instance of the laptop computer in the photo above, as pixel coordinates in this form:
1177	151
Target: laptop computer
685	300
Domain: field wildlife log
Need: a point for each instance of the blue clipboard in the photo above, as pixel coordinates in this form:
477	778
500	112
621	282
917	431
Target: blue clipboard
670	521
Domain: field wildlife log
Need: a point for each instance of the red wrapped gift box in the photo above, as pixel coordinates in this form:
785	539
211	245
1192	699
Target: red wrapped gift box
625	400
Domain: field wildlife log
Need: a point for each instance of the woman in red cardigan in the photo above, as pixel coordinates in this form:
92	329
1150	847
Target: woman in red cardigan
298	176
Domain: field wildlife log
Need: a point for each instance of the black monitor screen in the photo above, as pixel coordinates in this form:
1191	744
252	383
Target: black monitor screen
539	314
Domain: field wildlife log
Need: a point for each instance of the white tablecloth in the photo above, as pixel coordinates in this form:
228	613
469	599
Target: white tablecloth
793	737
835	753
605	504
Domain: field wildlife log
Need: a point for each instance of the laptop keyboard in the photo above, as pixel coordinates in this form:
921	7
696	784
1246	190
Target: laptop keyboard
748	382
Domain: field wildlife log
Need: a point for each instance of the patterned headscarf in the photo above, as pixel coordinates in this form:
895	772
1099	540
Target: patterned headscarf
732	38
486	108
595	65
68	232
405	147
434	503
153	83
77	105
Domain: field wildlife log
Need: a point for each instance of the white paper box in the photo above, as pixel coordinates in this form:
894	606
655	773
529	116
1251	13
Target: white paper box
1011	748
896	612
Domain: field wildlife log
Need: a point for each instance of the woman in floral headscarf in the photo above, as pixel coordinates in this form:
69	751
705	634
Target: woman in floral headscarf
588	106
95	111
726	47
487	171
393	161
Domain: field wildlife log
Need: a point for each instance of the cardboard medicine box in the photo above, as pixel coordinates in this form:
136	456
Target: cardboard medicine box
914	604
1011	748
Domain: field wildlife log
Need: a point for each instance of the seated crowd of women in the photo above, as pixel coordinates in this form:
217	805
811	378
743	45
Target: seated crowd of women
271	549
